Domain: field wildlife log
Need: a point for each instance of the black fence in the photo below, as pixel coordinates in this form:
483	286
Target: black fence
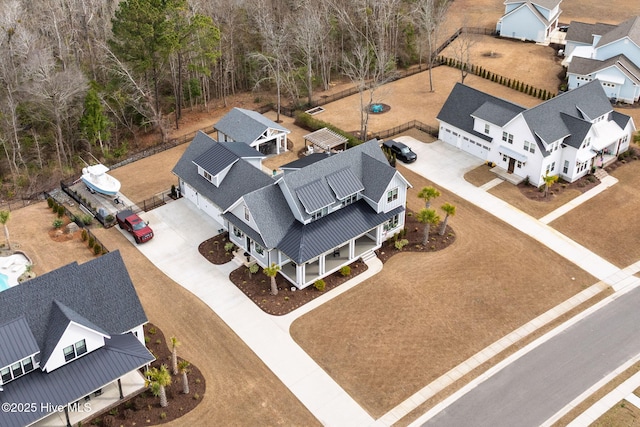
78	220
155	201
414	124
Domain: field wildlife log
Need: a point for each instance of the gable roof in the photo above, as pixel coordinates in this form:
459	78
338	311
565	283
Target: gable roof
582	32
216	159
584	66
629	28
245	125
464	102
532	9
547	4
100	290
274	218
241	179
303	161
546	121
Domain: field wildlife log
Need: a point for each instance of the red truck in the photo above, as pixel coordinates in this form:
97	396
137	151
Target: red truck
127	220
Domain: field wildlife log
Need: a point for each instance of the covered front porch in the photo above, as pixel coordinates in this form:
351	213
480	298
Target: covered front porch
303	275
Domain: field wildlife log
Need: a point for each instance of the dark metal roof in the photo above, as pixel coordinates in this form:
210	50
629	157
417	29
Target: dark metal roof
100	290
241	179
245	125
546	121
71	382
464	101
315	195
344	183
304	161
23	344
241	150
582	32
306	241
216	159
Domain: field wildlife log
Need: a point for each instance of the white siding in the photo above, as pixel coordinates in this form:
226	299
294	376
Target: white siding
401	186
72	335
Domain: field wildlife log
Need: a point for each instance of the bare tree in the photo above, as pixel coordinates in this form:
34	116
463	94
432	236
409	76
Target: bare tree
429	16
461	47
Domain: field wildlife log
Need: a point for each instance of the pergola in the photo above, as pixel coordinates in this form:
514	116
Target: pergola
326	140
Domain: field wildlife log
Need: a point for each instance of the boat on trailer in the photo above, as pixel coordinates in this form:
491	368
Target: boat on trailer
96	179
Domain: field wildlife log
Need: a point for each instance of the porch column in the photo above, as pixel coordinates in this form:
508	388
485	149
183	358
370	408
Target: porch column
66	415
352	248
322	264
120	388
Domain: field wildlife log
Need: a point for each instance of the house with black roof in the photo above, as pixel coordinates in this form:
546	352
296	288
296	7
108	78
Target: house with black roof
532	20
320	214
66	336
608	53
253	129
566	135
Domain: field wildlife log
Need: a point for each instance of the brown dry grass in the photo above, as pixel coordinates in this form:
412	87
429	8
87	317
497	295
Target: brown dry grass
426	313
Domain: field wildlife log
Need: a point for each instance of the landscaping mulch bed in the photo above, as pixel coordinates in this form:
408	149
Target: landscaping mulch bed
144	409
213	249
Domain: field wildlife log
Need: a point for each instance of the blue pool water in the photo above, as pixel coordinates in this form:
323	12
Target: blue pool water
3	282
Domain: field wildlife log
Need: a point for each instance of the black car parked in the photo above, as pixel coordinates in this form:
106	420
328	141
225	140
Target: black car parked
401	151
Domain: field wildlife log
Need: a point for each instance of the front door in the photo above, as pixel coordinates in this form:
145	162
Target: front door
512	165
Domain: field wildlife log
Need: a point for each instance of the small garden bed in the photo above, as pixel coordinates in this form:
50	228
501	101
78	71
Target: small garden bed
145	409
216	249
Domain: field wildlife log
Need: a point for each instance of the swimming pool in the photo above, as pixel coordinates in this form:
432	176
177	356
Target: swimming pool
4	282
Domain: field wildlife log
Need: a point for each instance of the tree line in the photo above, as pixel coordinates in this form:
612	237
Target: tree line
81	78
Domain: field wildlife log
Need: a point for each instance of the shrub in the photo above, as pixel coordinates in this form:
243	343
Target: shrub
401	244
57	223
54	207
163	415
92	242
85	235
109	219
97	249
320	285
50	202
307	121
60	211
228	247
345	271
87	219
153	331
196	396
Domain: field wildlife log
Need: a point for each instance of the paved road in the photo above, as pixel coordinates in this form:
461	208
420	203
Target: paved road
542	382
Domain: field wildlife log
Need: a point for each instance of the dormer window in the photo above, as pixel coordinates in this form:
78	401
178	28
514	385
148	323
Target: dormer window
320	213
392	195
487	128
350	199
207	175
75	350
246	214
16	370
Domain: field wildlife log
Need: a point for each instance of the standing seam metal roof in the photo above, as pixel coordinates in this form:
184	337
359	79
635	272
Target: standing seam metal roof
344	183
315	195
23	344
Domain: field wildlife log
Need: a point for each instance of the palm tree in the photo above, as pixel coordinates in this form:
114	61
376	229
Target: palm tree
174	355
549	180
428	193
183	367
428	217
271	272
4	218
449	210
157	380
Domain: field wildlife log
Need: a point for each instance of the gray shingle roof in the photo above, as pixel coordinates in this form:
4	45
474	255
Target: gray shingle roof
377	176
547	4
621	119
344	183
578	130
585	66
629	28
464	101
69	383
582	32
274	217
241	179
23	344
245	125
546	120
304	242
100	290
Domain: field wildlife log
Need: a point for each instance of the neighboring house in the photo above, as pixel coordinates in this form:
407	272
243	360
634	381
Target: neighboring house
253	129
609	53
321	214
529	20
566	135
67	335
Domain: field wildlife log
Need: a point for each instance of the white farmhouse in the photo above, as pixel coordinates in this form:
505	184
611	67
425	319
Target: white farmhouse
532	20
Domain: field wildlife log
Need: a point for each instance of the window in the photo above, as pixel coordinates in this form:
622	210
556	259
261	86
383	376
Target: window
391	223
69	353
246	214
27	365
6	375
81	348
237	232
553	166
350	199
486	128
507	137
207	175
319	214
528	146
565	168
16	370
392	195
504	158
519	164
259	249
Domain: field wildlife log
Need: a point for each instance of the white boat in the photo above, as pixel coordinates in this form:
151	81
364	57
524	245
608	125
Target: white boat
96	179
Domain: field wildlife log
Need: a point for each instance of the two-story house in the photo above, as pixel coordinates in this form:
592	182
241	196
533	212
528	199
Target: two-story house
66	336
608	53
532	20
253	129
311	220
566	135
